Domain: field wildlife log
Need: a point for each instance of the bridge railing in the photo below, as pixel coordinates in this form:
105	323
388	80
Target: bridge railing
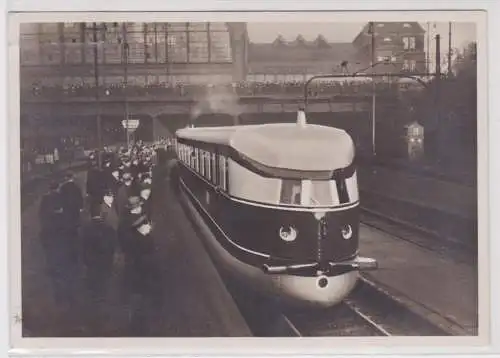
243	89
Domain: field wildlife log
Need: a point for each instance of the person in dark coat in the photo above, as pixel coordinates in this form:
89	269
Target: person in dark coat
145	193
125	191
99	245
72	199
96	186
57	247
142	274
108	210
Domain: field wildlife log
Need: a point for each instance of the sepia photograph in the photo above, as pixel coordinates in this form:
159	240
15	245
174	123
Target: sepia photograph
247	178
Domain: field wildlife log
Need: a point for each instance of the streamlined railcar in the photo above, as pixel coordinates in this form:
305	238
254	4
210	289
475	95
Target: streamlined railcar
278	206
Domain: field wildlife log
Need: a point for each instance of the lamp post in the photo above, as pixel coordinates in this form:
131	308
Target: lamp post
130	125
96	74
372	27
125	53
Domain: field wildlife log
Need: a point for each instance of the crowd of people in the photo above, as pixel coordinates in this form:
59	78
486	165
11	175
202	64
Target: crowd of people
243	88
112	225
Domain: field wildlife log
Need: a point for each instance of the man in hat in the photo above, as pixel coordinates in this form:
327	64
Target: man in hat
108	210
126	190
57	247
72	202
145	193
96	186
142	275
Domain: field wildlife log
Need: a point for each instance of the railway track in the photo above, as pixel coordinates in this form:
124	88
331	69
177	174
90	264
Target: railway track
418	236
445	229
366	312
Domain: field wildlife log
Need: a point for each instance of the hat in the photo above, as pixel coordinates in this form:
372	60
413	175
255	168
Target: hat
127	175
133	202
69	175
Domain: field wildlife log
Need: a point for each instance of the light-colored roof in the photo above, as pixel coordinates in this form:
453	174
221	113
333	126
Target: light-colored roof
285	146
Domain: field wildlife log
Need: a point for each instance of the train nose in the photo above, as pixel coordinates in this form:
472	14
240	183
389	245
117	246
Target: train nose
322	281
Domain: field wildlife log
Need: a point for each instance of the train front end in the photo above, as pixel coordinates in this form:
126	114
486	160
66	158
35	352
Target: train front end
315	246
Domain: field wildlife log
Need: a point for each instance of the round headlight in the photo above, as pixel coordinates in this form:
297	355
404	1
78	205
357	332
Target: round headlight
346	232
289	234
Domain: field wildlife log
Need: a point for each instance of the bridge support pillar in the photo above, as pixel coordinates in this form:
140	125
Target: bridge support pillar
159	129
239	47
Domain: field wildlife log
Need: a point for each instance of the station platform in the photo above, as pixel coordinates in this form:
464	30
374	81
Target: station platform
432	285
195	304
443	196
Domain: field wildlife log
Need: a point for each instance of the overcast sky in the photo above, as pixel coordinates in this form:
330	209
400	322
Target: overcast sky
462	33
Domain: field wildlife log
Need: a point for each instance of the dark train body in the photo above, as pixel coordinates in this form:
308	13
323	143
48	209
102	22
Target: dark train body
278	204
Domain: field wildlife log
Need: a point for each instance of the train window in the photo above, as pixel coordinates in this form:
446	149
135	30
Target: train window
208	165
321	193
291	192
214	168
202	163
196	160
222	172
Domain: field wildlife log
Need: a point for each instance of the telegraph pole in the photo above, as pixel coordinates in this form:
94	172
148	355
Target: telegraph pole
428	61
449	49
96	74
125	81
437	95
372	27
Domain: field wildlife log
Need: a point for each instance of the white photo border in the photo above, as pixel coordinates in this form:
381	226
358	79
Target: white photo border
256	346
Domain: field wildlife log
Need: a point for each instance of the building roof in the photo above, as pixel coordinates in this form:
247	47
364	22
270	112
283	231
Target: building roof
300	50
386	28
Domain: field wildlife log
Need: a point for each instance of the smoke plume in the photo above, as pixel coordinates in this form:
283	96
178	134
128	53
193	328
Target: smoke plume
219	99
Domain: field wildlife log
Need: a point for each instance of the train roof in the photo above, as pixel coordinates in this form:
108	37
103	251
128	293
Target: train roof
292	146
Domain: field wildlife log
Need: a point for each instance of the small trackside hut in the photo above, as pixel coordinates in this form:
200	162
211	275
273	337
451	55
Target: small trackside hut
279	204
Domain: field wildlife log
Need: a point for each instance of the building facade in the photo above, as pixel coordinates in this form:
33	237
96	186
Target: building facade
65	54
399	47
399	44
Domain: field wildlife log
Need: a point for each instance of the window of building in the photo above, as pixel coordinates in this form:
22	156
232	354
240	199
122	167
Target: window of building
151	45
220	46
197	26
198	47
406	65
413	65
29	49
387	39
176	26
380	25
406	25
177	47
409	43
